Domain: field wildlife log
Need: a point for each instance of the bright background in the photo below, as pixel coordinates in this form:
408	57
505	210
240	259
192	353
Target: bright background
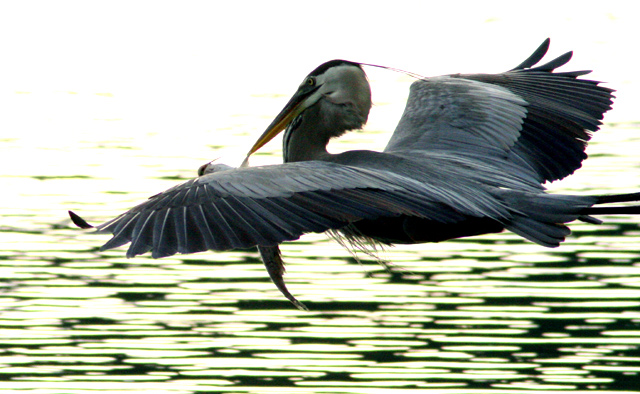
185	64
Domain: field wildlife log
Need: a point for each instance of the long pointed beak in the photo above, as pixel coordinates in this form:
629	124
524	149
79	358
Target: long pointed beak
294	107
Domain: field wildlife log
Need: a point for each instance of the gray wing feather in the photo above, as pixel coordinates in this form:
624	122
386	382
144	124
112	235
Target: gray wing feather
535	120
267	205
455	114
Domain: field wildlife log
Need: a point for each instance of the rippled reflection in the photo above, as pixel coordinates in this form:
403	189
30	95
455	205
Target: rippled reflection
487	313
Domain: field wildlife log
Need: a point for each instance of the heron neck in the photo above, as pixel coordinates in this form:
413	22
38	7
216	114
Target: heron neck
299	145
306	139
307	136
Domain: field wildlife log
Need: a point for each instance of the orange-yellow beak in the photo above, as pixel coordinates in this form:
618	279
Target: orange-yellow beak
294	107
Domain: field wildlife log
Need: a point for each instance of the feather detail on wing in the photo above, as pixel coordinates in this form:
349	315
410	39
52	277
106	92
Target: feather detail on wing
267	205
530	117
453	114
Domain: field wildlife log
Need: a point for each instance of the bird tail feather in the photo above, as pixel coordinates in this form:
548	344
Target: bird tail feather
542	218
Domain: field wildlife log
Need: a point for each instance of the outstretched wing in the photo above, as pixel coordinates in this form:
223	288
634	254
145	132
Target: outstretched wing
265	206
530	117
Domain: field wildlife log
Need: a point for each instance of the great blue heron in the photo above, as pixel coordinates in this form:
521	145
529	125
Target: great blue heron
468	157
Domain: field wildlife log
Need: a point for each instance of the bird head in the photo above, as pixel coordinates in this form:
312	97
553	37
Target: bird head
339	92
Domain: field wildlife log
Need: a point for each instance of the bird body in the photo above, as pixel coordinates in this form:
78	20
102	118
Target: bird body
469	156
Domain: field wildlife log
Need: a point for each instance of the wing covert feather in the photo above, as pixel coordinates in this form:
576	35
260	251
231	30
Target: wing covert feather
457	114
532	117
267	205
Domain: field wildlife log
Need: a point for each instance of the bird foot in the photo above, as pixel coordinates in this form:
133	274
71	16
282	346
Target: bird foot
272	259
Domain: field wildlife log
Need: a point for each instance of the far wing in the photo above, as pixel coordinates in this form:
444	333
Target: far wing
265	206
456	114
533	118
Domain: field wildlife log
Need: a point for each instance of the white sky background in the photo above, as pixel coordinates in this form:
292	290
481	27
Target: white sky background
183	60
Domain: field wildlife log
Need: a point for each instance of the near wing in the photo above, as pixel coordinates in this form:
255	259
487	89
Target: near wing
533	118
265	206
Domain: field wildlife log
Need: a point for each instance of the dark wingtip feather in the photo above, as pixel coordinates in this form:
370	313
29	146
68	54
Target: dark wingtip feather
539	53
555	63
535	57
78	221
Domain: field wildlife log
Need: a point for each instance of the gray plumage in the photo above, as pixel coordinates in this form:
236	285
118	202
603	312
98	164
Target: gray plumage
469	156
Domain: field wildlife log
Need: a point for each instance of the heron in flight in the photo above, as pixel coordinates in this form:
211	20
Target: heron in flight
469	156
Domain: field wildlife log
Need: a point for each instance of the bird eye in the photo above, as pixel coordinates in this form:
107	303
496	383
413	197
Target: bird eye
311	81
